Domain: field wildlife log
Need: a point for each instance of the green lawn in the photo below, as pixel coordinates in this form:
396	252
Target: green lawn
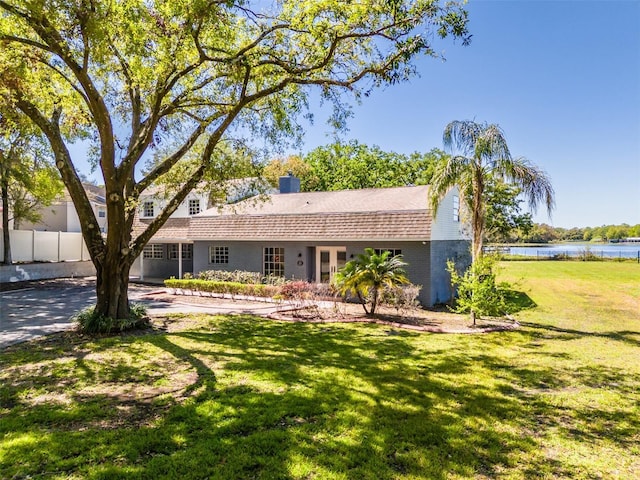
241	397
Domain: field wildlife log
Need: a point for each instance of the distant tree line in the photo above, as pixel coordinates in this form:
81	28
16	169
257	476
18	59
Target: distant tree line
543	233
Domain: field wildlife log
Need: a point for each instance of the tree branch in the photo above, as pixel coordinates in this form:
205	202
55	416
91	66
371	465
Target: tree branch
56	44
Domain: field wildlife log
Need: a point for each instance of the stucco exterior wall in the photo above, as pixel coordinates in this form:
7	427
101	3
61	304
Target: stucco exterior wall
161	268
249	256
73	221
300	258
54	219
63	217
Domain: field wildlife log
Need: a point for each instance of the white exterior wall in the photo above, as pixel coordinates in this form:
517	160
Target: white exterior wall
443	226
183	209
102	222
54	218
73	221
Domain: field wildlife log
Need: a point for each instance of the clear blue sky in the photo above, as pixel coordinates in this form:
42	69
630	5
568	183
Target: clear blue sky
562	78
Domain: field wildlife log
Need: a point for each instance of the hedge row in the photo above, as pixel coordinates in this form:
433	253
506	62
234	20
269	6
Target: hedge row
231	288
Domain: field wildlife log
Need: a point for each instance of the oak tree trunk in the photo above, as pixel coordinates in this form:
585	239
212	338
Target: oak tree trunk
112	288
113	263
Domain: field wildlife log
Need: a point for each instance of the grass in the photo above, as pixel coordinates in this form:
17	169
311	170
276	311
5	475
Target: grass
241	397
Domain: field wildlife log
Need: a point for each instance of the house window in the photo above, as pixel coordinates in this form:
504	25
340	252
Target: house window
194	206
392	251
153	250
456	208
274	261
187	251
219	255
147	209
102	213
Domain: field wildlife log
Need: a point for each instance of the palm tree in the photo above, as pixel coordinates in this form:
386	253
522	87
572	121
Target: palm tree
368	274
480	152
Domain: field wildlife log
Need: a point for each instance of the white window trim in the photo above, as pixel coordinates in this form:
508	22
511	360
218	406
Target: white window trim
153	251
273	261
456	208
193	206
144	209
221	255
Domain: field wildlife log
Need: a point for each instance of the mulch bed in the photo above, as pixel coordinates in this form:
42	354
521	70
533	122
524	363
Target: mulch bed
419	320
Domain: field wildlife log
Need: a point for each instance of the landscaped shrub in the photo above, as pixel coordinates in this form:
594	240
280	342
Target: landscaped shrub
240	276
90	322
237	276
296	290
403	298
478	291
325	291
229	288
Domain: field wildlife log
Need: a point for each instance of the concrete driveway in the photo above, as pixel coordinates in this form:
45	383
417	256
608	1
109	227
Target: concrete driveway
39	310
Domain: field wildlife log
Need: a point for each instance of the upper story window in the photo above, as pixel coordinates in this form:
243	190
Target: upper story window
194	206
274	261
102	213
147	209
456	208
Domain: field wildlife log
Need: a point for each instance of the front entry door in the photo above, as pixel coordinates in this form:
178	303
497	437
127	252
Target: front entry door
328	261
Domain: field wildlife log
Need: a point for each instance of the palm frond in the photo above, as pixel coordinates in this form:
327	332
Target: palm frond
461	136
491	145
535	183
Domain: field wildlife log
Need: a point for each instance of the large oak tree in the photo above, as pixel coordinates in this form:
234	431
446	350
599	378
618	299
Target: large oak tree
133	74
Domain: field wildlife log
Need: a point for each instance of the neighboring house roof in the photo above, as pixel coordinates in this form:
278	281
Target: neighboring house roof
95	194
371	214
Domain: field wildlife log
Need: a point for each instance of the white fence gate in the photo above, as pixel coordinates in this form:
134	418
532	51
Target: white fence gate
37	246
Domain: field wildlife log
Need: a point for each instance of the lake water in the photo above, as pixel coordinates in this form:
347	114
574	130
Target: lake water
611	250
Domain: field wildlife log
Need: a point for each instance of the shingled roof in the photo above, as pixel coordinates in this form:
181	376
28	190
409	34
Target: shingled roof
349	215
371	214
173	230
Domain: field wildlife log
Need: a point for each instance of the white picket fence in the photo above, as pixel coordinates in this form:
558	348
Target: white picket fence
36	246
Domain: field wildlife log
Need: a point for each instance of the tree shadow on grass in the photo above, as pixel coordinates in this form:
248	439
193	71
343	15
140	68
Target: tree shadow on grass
517	301
629	337
275	400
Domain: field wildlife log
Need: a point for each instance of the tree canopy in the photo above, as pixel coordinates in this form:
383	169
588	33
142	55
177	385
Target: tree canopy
28	179
130	75
353	165
505	220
